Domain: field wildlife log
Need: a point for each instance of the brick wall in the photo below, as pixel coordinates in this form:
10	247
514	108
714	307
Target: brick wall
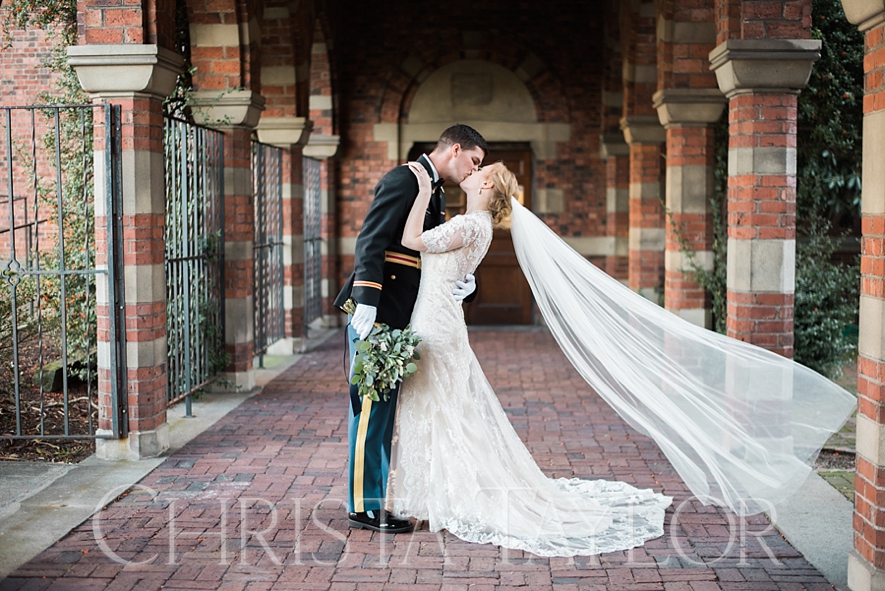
766	19
375	89
22	74
728	20
23	79
121	21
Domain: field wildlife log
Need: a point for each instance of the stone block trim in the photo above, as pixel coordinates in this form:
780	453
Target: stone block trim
293	257
681	291
239	220
321	101
762	218
689	146
617	171
646	258
225	40
143	249
689	185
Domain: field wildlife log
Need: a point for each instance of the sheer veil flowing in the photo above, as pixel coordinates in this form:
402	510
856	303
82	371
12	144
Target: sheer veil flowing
741	425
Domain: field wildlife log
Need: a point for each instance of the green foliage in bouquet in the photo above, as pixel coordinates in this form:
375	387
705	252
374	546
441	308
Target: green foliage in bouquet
383	359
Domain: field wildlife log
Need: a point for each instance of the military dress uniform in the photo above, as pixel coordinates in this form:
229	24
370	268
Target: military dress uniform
386	275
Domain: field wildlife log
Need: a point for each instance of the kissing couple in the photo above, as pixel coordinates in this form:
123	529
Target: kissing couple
740	424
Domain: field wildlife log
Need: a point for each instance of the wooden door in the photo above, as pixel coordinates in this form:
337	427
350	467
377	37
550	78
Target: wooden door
503	296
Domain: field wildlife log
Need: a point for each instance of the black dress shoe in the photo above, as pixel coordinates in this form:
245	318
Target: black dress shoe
377	521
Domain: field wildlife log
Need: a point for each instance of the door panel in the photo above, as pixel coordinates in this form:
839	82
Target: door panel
504	296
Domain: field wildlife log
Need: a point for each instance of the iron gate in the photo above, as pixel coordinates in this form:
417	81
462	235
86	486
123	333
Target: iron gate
51	279
194	235
267	246
313	255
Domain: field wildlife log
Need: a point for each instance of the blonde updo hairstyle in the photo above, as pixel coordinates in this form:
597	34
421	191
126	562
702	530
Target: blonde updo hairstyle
505	187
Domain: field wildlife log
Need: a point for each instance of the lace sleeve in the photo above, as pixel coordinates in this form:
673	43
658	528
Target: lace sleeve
452	235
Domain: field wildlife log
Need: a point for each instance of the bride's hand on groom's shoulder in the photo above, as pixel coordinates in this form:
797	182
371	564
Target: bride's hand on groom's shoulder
421	174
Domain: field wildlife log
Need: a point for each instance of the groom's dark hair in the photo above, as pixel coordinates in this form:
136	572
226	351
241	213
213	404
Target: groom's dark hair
465	135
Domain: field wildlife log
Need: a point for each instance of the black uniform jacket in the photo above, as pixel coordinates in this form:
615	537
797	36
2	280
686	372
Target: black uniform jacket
391	287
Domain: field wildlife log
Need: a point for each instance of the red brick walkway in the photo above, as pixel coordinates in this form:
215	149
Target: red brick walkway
256	502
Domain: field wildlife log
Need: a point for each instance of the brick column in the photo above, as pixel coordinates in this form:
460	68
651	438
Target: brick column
687	116
137	77
762	78
866	562
290	133
645	136
616	154
237	113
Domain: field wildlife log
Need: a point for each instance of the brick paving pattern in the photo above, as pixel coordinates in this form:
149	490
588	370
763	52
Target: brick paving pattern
257	503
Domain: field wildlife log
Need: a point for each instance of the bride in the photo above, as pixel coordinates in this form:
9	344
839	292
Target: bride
740	425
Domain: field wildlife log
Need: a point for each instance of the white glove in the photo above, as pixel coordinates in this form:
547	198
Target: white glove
464	288
363	319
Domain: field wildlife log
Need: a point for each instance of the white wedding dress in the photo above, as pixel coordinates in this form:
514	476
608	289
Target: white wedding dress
459	464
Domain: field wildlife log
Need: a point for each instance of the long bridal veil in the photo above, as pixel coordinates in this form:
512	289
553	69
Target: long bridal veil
740	424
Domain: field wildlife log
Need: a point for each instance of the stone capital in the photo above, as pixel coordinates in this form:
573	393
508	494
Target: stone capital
321	146
612	144
284	132
643	129
749	66
689	106
227	108
866	14
123	70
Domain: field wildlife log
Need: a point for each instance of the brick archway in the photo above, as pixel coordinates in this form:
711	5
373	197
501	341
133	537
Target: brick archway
553	112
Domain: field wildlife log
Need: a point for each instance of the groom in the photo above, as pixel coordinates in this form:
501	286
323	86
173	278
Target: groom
384	285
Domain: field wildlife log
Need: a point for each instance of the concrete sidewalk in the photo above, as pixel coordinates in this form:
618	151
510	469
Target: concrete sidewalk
256	502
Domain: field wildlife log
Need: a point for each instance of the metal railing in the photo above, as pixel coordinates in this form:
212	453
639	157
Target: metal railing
313	255
50	278
267	246
194	236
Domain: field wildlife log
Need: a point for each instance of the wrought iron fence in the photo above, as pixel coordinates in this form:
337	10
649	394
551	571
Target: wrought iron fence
313	256
267	246
194	235
50	278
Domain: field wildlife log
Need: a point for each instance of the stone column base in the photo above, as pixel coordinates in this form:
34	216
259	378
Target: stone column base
138	445
650	293
287	346
702	317
332	321
863	576
234	381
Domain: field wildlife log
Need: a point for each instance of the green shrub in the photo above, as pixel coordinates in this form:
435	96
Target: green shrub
827	295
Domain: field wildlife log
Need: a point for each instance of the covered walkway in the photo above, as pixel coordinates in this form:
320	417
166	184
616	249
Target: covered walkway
257	502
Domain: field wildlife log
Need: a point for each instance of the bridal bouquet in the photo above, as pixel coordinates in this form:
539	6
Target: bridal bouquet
383	358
